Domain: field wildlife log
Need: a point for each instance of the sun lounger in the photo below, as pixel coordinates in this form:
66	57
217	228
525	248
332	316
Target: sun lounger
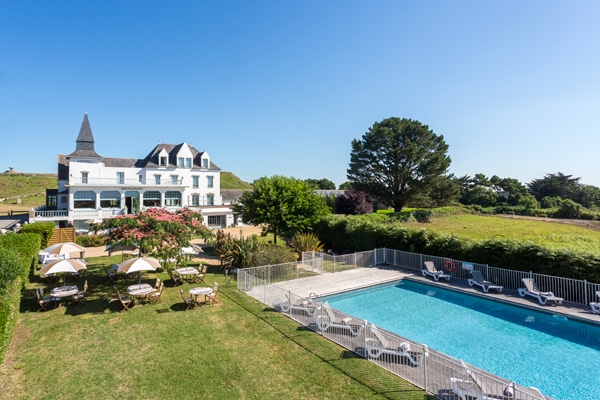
381	345
482	388
531	289
326	319
596	306
431	270
306	306
477	279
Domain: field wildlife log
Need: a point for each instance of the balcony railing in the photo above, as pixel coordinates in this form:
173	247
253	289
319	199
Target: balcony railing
122	182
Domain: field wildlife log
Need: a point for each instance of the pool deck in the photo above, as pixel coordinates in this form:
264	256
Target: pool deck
330	283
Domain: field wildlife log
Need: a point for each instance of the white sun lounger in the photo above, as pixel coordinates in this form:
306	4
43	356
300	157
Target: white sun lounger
480	388
380	345
307	306
531	289
477	279
326	319
596	306
431	270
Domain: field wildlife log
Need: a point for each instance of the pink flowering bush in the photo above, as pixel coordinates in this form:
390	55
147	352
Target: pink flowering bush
157	232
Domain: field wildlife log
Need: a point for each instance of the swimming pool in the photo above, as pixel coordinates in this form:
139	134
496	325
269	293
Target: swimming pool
556	355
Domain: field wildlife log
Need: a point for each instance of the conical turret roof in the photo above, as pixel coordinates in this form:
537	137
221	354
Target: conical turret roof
85	141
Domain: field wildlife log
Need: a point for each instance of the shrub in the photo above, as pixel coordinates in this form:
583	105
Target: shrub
44	229
90	240
569	209
305	241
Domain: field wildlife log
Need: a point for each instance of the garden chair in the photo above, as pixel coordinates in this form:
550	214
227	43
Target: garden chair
212	297
154	297
125	302
175	278
111	276
44	301
80	296
189	301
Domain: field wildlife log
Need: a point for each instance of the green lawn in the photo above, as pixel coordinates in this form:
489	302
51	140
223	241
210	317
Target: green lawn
236	349
552	234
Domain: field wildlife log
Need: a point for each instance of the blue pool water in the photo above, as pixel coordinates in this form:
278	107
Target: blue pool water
558	356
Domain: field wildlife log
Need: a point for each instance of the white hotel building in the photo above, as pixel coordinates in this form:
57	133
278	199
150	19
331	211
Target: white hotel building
92	187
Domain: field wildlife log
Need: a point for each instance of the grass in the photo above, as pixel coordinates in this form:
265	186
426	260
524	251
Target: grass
237	348
551	234
231	181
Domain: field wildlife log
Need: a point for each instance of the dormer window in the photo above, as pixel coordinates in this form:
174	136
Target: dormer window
205	163
188	162
162	161
180	161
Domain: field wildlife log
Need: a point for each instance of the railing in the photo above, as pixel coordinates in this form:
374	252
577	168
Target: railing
428	369
78	181
571	290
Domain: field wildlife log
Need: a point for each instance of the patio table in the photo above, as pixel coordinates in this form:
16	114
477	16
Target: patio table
187	272
200	291
64	291
140	290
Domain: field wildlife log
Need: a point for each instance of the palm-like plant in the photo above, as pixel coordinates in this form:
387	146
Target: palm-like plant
305	241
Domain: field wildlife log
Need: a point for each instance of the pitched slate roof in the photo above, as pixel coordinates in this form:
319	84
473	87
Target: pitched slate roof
152	161
85	141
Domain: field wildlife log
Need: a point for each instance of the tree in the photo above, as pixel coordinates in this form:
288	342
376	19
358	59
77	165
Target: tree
353	202
553	185
157	231
345	186
320	184
283	204
396	160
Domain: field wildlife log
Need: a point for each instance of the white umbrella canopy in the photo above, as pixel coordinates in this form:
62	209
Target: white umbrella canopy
64	248
70	265
139	264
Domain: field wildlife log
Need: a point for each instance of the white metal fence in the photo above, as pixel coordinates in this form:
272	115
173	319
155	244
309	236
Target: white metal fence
435	372
428	369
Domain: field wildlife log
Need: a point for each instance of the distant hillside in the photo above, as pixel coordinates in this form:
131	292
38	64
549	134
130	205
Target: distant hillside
16	184
230	181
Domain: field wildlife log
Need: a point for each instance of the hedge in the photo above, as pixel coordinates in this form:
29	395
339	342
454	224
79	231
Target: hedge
18	253
362	233
44	229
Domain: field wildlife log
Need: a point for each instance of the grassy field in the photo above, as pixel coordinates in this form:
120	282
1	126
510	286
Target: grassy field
30	188
555	234
231	181
236	349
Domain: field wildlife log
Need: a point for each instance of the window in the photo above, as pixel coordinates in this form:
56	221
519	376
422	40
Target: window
120	178
215	221
210	181
157	179
205	163
110	199
210	200
174	179
84	177
163	161
172	199
140	178
151	199
195	200
180	161
84	199
188	162
195	181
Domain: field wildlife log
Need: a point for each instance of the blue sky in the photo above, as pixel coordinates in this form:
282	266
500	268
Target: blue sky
283	87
